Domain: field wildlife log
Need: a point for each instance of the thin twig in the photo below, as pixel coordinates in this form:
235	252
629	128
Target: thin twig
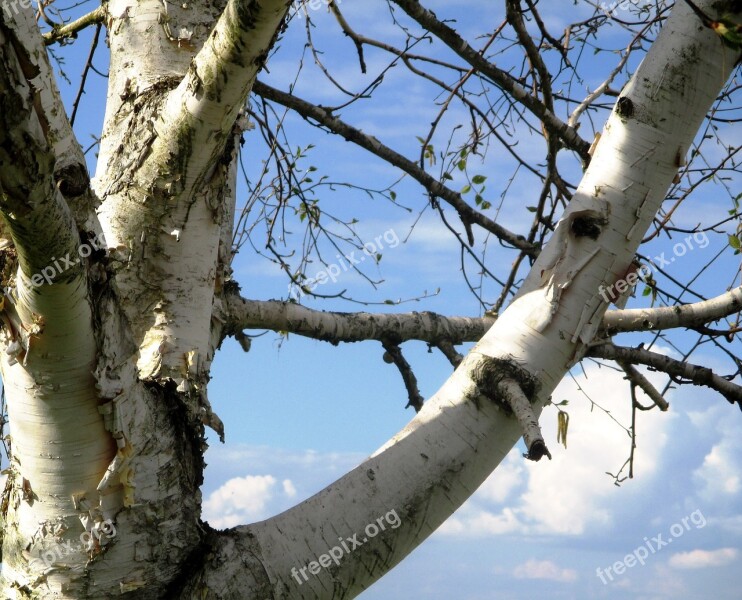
88	64
394	354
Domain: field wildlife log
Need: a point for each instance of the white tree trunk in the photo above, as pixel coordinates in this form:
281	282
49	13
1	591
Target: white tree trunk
432	466
106	367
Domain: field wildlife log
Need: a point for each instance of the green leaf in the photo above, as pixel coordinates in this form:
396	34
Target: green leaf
447	175
647	291
734	242
531	208
478	179
461	165
466	189
392	194
729	31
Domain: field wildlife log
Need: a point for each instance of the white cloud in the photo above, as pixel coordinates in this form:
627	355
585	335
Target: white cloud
235	498
718	471
570	494
498	486
239	500
481	522
731	524
544	569
667	584
288	488
232	457
702	559
718	477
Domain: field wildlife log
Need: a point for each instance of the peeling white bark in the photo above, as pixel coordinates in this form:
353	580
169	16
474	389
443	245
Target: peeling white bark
103	432
166	222
427	470
242	313
59	445
350	327
668	317
107	390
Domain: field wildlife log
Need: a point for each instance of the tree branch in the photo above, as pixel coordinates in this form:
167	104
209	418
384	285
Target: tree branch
393	354
336	327
450	352
502	79
695	374
70	173
428	470
201	111
70	30
636	378
48	344
434	187
511	392
514	14
668	317
34	210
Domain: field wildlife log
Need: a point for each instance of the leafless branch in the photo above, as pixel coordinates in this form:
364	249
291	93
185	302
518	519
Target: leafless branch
695	374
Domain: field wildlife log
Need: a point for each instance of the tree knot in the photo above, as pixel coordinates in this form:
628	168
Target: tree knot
489	372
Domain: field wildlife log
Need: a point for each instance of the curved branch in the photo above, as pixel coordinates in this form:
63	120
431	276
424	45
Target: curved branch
47	339
636	378
325	118
393	354
429	469
34	209
450	353
202	110
70	173
695	374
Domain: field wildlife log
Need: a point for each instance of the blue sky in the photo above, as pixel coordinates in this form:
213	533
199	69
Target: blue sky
300	413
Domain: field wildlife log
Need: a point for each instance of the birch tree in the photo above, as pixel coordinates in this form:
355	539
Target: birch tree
119	288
